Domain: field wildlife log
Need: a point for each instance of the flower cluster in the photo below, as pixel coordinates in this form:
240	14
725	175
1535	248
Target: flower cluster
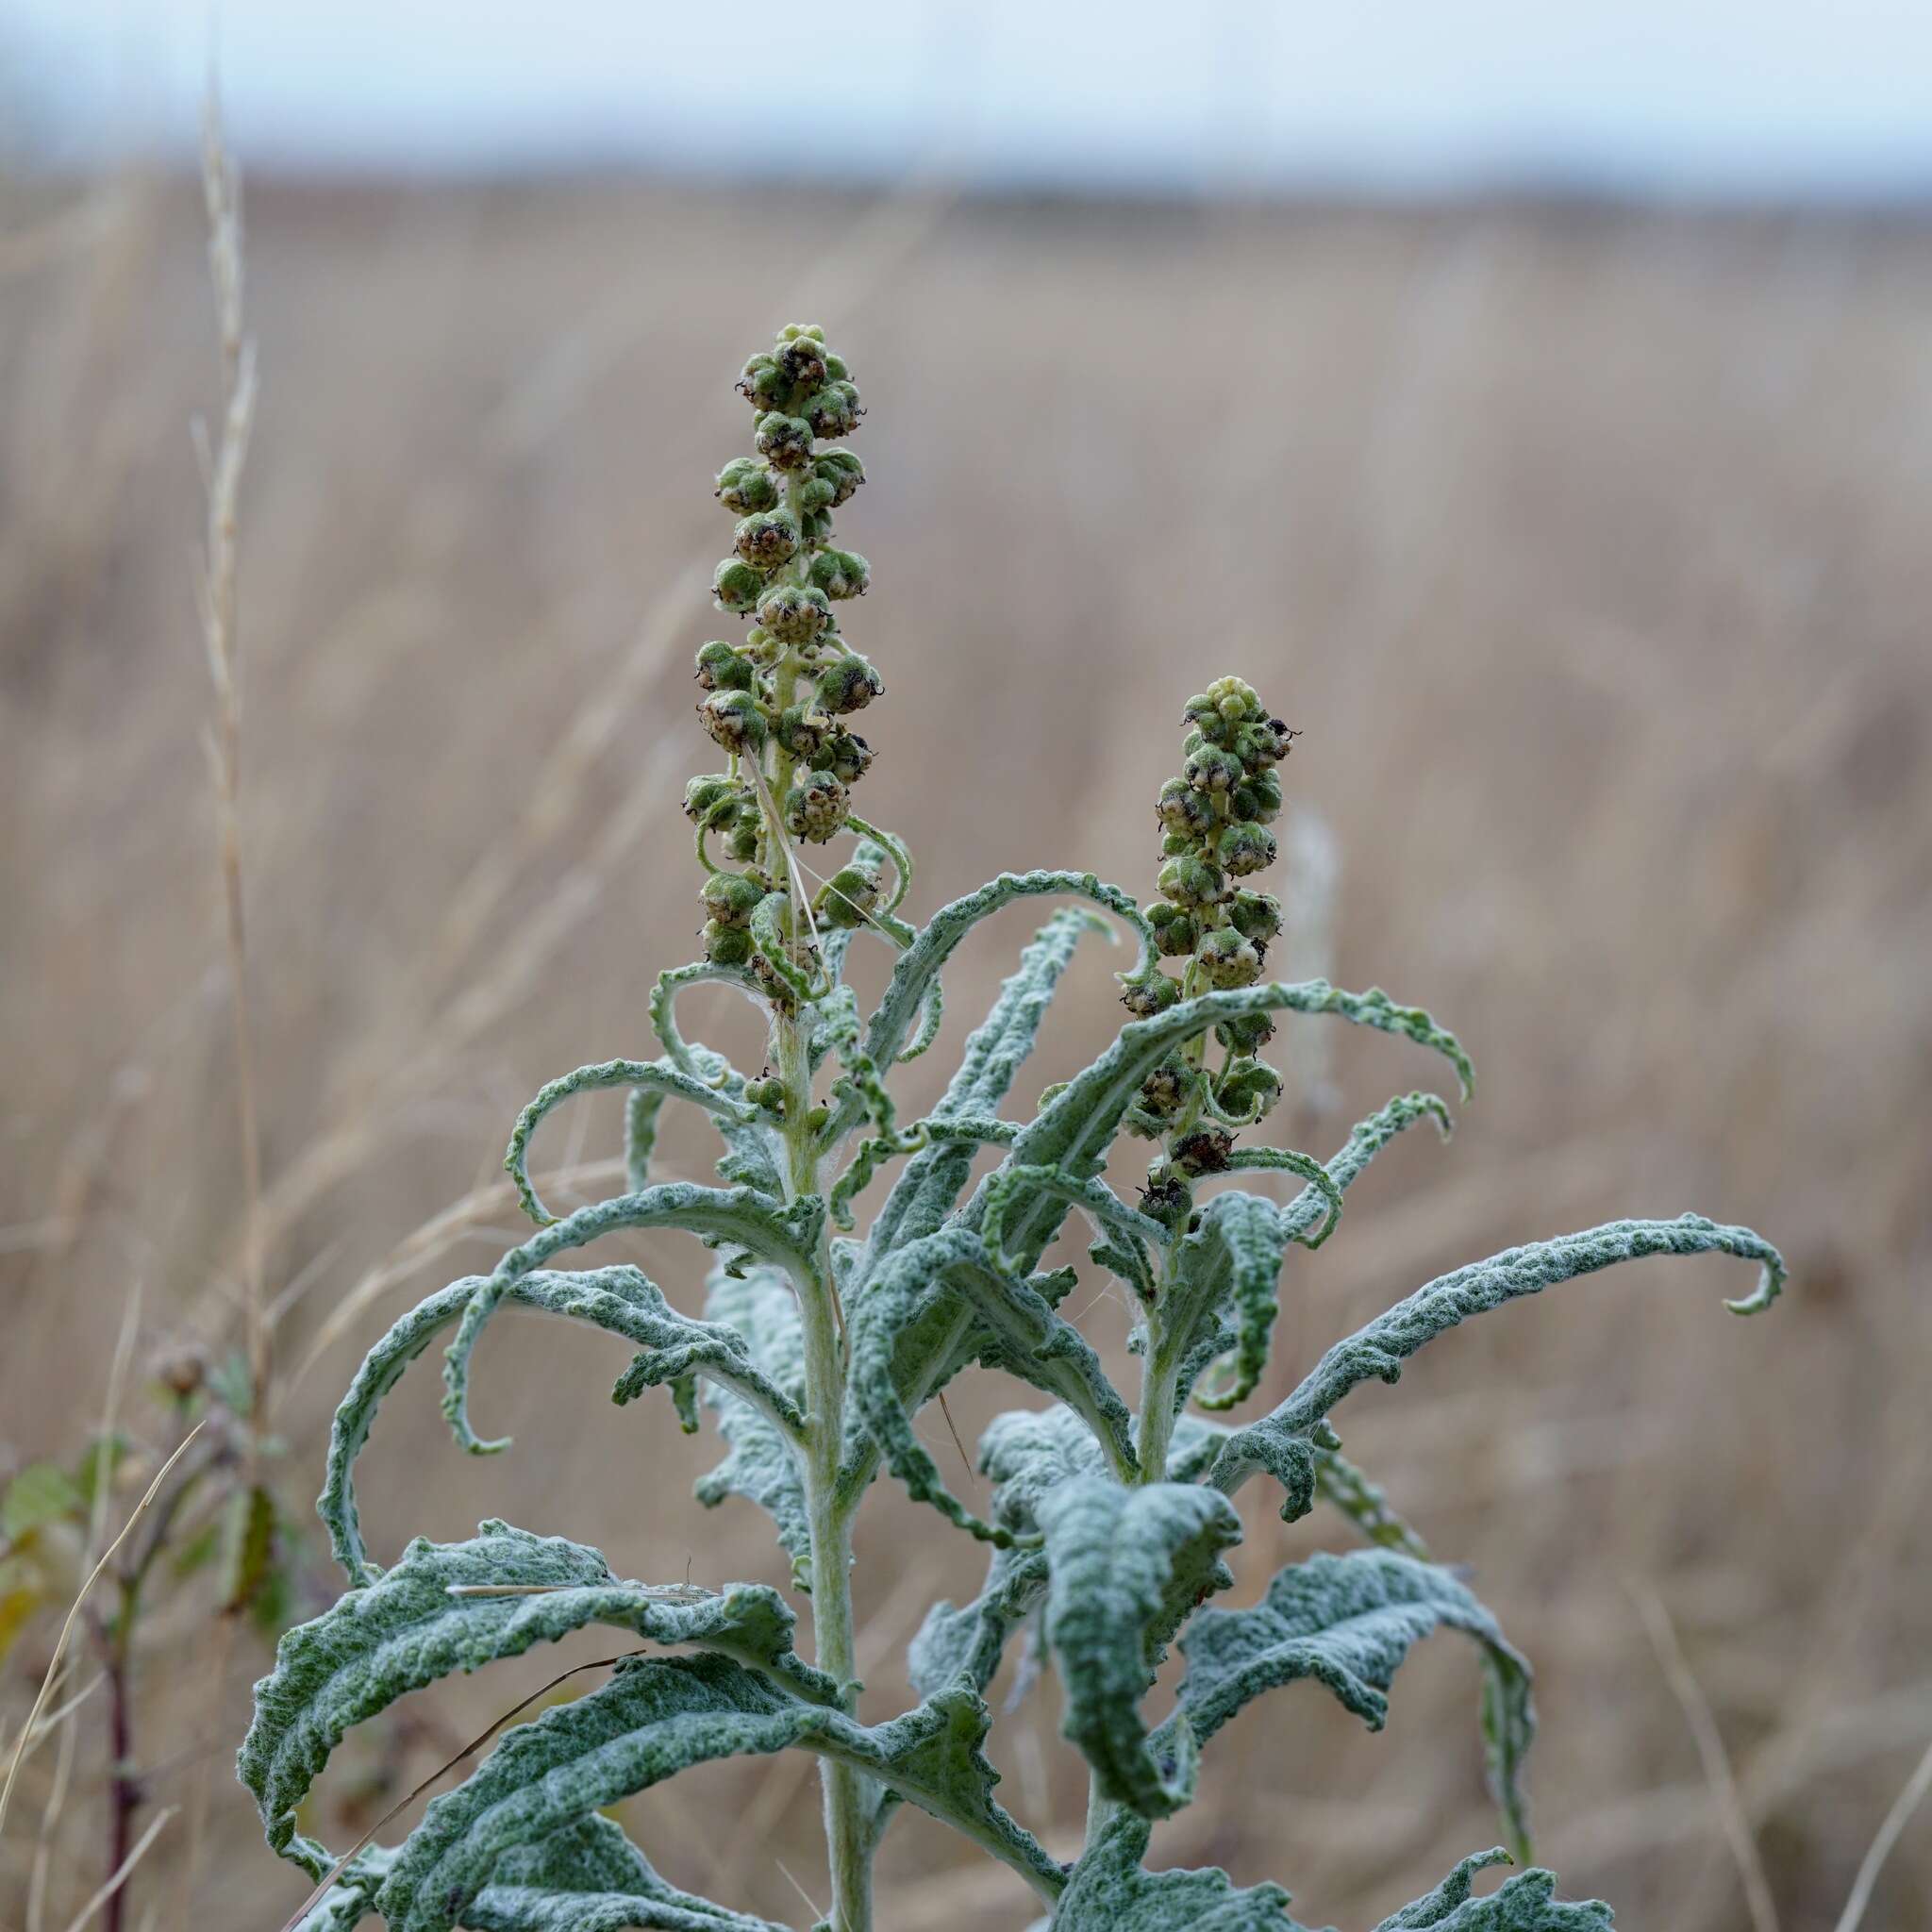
778	701
1214	820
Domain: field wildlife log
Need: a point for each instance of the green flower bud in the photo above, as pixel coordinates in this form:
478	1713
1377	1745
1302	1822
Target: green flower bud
841	574
1144	998
1260	746
796	614
834	410
723	667
725	945
1178	844
769	1094
1234	698
764	384
1248	1087
732	897
802	357
1255	915
1249	1033
712	794
845	755
741	842
746	485
1193	882
840	471
1211	770
848	899
1174	931
1258	798
804	731
1184	810
849	685
1246	847
784	441
767	540
734	719
736	586
1202	1150
815	808
1226	959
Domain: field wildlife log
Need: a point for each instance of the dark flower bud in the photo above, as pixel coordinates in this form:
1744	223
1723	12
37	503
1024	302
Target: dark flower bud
1257	797
1248	1088
1174	931
734	719
804	730
849	685
732	897
1211	770
1164	1092
1184	810
1249	1033
1193	882
840	470
846	900
802	357
1167	1198
1144	998
764	383
725	945
181	1371
784	441
1255	915
1260	746
841	574
1246	847
1226	959
736	586
845	755
1202	1150
815	808
746	485
723	667
767	540
796	614
834	410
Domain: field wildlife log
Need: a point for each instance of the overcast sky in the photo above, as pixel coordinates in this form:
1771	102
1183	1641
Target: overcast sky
1680	97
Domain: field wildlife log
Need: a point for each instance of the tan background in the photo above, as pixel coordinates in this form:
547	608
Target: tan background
1587	548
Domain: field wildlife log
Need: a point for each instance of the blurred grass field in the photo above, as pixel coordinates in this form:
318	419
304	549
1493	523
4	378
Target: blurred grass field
1587	548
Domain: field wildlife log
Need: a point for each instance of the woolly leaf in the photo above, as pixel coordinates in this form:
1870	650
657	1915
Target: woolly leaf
1345	1487
622	1300
1126	1566
408	1628
1378	1350
760	1304
750	1161
352	1897
741	1217
641	1077
589	1878
1111	1891
1348	1623
1523	1904
655	1718
1023	1335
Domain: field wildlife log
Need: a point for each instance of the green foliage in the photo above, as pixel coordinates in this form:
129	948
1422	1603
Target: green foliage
1107	1521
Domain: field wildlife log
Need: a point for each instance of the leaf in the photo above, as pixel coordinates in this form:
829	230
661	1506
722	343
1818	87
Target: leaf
248	1547
1111	1891
23	1590
1524	1904
1113	1220
749	1162
758	1303
1349	1490
657	1717
739	1216
1348	1623
407	1630
1378	1350
622	1300
1020	1332
42	1492
1124	1567
352	1897
641	1077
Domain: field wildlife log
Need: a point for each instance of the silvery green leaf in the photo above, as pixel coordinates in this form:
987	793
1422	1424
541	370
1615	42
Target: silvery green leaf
758	1303
412	1626
622	1299
657	1717
1345	1487
750	1161
1523	1904
1348	1623
1378	1350
738	1217
1124	1567
589	1878
352	1897
1112	1892
1021	1331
